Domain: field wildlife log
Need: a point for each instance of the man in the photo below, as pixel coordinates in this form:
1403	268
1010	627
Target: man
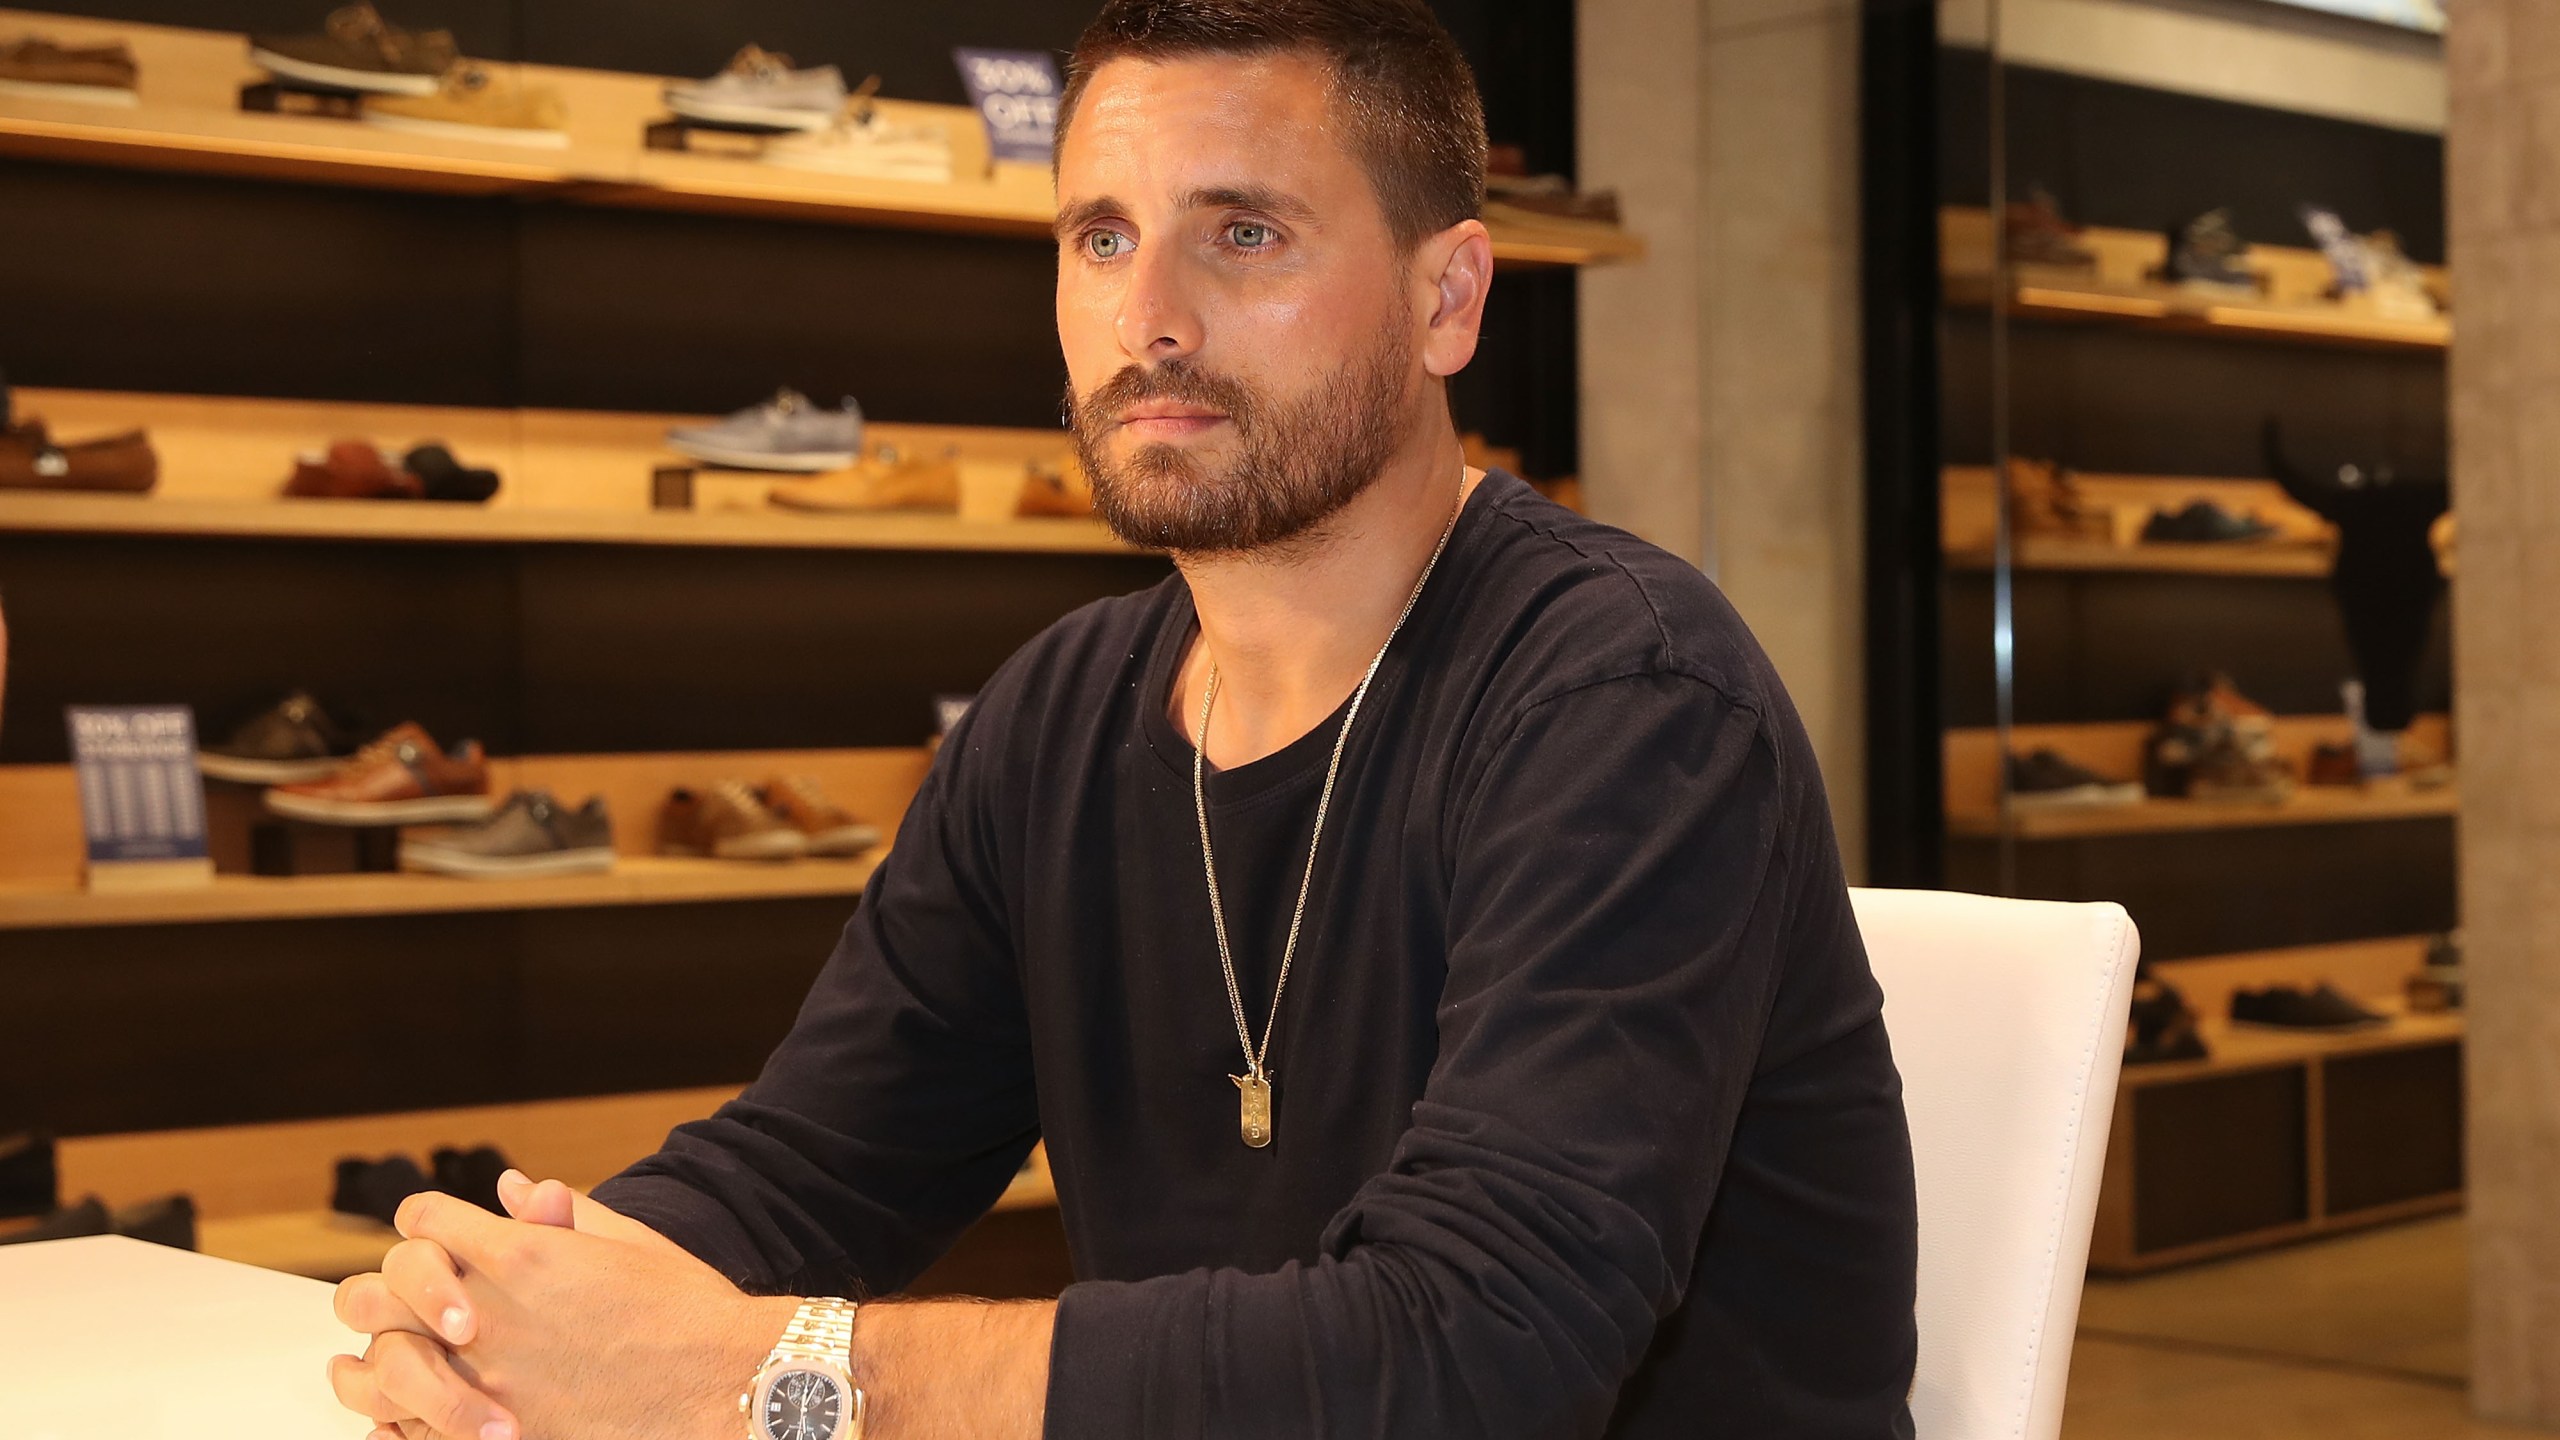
1470	1036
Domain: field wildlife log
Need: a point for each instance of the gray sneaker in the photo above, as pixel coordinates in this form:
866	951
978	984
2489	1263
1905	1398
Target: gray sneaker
529	835
784	433
760	91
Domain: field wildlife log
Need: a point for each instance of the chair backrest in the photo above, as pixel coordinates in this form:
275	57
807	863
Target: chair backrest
2007	1018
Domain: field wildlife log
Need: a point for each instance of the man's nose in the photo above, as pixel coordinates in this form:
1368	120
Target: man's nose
1157	320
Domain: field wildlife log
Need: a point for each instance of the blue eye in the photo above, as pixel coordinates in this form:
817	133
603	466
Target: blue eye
1105	244
1247	235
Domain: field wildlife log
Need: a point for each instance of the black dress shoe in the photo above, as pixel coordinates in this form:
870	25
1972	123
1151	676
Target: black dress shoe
375	1188
89	1217
2287	1007
446	478
29	1184
169	1220
472	1175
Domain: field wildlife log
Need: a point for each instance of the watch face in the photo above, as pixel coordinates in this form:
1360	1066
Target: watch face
803	1405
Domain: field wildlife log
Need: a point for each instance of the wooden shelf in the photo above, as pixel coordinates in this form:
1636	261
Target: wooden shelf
2373	973
407	521
2233	1048
568	477
2066	553
261	1190
40	846
187	121
634	880
2117	292
2115	749
2309	805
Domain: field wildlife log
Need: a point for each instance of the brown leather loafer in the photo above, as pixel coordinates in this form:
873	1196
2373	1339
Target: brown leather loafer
30	459
351	470
400	779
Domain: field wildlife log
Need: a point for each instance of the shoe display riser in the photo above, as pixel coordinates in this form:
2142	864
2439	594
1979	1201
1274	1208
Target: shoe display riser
2280	1137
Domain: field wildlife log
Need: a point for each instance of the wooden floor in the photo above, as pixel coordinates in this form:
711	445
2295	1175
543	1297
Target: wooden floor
2363	1336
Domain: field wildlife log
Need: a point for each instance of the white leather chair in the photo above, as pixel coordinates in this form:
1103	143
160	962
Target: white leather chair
2007	1018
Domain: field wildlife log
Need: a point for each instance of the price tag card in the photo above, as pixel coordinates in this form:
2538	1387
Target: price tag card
141	800
1016	92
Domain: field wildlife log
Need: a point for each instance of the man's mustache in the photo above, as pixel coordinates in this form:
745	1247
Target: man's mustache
1177	380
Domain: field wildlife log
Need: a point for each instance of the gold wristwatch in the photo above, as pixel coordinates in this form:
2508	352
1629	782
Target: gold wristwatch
804	1390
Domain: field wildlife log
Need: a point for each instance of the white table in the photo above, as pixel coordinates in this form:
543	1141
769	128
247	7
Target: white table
109	1337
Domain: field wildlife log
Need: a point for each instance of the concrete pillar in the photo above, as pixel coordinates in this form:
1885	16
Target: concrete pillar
2503	166
1720	407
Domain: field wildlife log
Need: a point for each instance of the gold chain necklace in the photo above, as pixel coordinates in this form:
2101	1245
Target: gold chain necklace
1254	1085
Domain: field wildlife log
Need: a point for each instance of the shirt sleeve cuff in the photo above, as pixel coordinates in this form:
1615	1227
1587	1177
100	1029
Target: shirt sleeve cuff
1125	1359
692	1220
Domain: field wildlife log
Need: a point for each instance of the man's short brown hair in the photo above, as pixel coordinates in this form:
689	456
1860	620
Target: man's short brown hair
1416	122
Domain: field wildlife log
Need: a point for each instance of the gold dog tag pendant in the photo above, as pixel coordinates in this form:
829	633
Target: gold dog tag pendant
1254	1101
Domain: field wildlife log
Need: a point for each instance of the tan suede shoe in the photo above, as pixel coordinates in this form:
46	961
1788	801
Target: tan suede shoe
726	822
829	828
881	482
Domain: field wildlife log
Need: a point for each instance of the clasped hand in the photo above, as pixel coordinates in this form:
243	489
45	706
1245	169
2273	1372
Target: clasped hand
561	1320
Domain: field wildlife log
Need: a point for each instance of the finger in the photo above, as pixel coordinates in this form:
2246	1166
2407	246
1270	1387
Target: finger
548	1203
468	1233
358	1388
366	1303
417	1377
420	1278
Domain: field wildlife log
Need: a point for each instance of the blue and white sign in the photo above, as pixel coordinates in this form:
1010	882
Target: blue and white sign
140	796
1016	92
2427	15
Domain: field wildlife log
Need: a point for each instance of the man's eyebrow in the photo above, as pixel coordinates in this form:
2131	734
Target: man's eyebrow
1083	213
1278	204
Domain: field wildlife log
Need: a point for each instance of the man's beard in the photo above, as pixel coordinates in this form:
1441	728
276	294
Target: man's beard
1296	463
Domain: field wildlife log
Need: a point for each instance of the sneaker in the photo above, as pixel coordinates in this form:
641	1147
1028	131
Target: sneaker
89	1217
1057	490
760	91
375	1188
784	433
357	50
884	482
350	470
2039	235
2287	1007
472	1174
726	822
529	835
476	104
2215	744
288	743
2207	252
399	779
2204	523
31	459
869	145
2160	1029
38	69
2044	779
441	477
826	827
2045	498
29	1181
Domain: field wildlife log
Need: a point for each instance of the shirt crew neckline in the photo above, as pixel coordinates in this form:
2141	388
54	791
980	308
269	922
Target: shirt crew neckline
1307	756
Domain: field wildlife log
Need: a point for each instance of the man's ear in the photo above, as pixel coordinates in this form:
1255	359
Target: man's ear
1457	265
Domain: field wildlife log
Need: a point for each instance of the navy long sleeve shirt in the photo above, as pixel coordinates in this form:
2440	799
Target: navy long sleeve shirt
1585	1120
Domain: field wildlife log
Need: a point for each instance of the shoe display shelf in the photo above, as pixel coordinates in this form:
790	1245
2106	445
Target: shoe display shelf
2292	309
188	120
568	477
40	847
2303	547
262	1191
2283	1135
2115	749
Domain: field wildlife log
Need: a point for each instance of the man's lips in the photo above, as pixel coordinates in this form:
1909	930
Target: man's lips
1160	420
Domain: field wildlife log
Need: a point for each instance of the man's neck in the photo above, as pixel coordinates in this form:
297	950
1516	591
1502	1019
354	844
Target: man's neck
1291	634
